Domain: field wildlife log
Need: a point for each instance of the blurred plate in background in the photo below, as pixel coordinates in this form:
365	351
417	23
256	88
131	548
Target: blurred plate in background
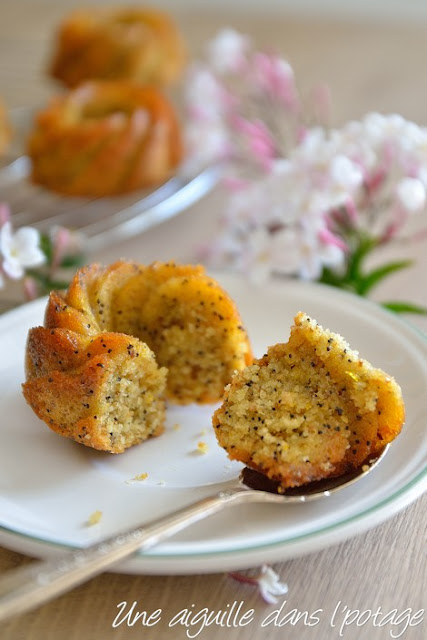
103	221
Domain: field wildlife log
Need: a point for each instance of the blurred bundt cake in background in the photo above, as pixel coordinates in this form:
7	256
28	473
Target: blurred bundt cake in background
135	43
105	138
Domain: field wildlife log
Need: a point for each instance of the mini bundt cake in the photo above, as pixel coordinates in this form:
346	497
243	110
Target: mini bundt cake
91	373
190	323
105	138
309	409
137	43
5	129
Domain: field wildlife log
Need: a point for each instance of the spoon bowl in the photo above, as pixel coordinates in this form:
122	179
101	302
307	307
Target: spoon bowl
312	490
28	587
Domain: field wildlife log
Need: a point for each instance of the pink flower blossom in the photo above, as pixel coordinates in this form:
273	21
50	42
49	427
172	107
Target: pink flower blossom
258	139
302	196
275	77
4	213
30	288
236	92
61	238
328	238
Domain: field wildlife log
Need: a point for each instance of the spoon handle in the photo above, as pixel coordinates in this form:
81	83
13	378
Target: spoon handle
30	586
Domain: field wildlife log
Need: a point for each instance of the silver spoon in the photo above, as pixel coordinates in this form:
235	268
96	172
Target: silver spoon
30	586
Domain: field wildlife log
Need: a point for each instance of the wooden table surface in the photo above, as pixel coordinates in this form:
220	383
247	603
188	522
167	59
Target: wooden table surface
368	66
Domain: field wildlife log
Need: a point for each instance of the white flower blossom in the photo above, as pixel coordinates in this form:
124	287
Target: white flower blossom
345	173
204	95
206	145
267	581
256	258
303	197
227	50
232	89
270	585
20	250
306	253
411	194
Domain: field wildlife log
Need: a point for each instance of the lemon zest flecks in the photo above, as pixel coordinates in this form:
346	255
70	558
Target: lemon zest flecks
202	447
94	518
353	376
140	476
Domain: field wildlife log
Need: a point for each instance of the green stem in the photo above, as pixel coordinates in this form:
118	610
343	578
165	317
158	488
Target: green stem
405	307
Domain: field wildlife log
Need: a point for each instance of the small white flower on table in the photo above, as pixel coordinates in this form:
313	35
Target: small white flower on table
267	581
270	585
20	250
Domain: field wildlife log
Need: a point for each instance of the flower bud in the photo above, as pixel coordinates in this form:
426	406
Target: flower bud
411	194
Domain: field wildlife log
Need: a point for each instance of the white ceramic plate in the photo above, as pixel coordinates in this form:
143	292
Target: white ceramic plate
50	485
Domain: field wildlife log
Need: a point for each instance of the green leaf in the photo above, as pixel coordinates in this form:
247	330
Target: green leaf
405	307
38	276
46	282
57	284
69	261
47	247
370	280
331	278
364	247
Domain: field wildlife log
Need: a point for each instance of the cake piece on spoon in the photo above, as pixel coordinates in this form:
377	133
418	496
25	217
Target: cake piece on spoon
309	409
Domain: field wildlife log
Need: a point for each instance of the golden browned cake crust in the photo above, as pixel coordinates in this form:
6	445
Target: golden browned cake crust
5	129
105	138
309	409
138	44
105	392
190	323
91	371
